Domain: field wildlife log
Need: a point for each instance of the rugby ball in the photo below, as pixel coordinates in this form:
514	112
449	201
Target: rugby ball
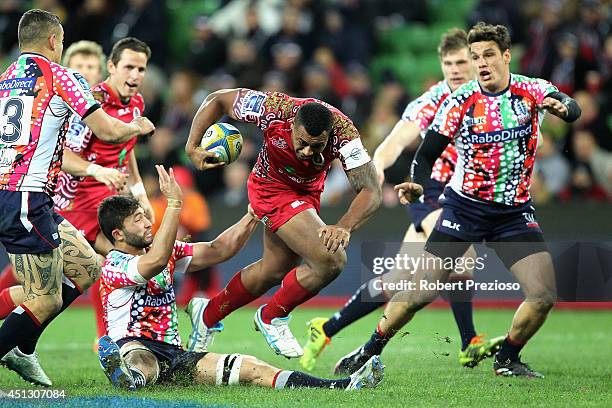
223	139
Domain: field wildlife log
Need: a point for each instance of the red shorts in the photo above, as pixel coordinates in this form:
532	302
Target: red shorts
275	204
86	221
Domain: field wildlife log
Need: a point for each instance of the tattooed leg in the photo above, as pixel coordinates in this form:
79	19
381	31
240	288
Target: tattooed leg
76	262
80	266
41	277
80	260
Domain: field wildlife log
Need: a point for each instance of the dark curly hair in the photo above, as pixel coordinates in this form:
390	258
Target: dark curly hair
488	32
113	211
315	118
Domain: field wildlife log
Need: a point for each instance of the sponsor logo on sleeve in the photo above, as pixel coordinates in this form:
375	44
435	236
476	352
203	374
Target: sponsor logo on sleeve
81	80
252	104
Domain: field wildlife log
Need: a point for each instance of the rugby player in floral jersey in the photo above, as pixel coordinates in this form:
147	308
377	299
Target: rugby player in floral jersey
143	346
86	58
51	258
416	119
301	139
494	122
77	196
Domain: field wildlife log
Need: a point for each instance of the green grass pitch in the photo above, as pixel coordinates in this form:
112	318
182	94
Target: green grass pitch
573	350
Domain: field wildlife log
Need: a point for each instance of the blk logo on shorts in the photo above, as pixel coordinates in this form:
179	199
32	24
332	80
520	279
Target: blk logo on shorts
297	203
452	225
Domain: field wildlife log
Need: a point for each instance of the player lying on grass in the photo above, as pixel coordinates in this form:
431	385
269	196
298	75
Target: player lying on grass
143	345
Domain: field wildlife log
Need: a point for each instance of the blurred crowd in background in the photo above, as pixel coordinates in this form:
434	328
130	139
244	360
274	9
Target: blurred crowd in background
358	55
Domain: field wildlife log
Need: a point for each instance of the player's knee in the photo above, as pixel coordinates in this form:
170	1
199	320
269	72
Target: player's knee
542	300
333	263
423	299
50	303
139	359
543	303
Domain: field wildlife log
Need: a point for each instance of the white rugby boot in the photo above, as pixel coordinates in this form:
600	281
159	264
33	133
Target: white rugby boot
278	335
27	366
201	336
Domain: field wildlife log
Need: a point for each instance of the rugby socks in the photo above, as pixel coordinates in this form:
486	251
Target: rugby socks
377	343
139	379
70	291
290	295
96	302
17	327
461	305
509	350
363	302
233	297
297	379
6	303
7	277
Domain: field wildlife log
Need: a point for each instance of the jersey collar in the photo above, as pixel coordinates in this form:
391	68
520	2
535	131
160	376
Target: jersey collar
33	53
503	91
113	97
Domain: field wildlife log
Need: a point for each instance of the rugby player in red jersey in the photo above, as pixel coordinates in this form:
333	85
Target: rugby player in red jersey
52	260
301	139
494	122
143	346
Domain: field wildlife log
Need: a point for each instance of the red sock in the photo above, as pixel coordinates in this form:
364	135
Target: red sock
96	302
234	296
288	297
6	303
7	277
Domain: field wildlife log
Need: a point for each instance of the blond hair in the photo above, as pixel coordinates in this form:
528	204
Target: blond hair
452	40
86	48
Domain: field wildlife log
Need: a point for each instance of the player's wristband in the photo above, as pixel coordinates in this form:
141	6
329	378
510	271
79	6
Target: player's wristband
138	189
92	169
175	204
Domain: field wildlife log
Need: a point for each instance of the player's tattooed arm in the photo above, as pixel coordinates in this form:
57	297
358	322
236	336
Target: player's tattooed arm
369	196
215	105
364	181
39	274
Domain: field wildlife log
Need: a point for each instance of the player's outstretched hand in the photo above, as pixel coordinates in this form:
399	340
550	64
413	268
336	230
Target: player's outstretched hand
408	192
168	185
112	178
554	106
203	159
334	237
145	126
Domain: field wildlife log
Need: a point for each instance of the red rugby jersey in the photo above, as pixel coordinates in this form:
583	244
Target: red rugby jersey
86	193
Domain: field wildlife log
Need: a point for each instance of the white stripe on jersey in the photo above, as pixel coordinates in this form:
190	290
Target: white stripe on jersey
118	307
182	264
23	215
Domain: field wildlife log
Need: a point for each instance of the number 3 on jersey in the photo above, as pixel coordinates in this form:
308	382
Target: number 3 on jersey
15	120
